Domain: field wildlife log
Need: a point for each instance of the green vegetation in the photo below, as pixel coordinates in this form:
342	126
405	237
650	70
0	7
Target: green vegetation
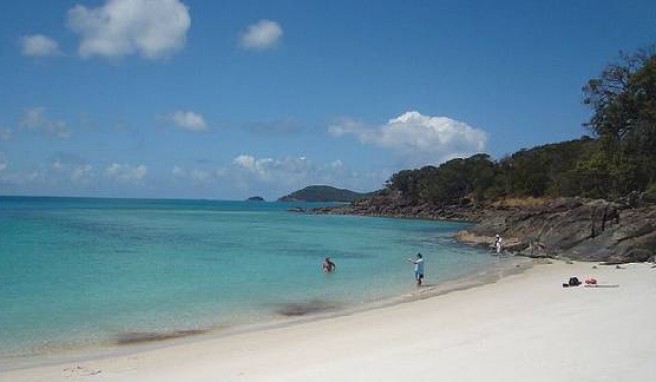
618	160
322	194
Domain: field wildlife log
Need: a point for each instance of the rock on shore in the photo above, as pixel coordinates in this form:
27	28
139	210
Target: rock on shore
577	229
571	228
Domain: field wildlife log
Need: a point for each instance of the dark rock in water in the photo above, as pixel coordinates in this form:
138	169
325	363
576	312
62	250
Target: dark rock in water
129	338
293	309
297	209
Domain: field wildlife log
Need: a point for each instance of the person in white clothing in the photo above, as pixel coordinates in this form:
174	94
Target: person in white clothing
497	244
418	261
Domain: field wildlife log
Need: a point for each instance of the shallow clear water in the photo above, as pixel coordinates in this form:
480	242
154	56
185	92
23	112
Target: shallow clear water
86	272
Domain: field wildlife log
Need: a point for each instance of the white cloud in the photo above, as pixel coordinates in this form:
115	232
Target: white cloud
151	28
126	173
251	164
264	34
268	168
34	119
82	174
188	120
72	166
417	138
38	45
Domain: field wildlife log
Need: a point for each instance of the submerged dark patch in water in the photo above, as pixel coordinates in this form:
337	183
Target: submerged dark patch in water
295	309
129	338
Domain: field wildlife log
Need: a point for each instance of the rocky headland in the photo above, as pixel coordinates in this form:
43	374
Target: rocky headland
570	228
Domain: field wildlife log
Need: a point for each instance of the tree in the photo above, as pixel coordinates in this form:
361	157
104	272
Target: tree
623	99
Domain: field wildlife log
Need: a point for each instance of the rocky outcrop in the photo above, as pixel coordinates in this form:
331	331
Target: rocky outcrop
572	228
588	230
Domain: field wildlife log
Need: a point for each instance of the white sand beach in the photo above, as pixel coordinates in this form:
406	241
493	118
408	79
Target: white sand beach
526	327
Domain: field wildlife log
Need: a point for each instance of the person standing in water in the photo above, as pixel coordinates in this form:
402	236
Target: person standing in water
497	244
328	266
418	261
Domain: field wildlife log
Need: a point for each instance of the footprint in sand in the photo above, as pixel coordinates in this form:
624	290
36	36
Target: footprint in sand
81	371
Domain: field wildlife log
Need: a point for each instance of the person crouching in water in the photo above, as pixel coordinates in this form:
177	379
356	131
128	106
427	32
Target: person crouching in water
328	266
418	261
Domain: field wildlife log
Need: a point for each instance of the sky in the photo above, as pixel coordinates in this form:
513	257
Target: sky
232	99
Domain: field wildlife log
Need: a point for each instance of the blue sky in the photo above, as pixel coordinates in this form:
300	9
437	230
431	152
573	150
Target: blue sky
231	99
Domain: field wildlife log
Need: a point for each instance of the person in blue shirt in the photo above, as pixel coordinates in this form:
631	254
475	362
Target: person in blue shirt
418	261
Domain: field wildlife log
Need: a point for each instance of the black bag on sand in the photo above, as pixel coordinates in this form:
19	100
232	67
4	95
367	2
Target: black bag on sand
574	281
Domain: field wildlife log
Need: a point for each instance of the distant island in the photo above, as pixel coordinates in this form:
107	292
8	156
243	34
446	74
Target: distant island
319	193
255	199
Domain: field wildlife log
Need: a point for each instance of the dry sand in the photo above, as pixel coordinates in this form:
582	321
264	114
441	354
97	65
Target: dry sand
525	327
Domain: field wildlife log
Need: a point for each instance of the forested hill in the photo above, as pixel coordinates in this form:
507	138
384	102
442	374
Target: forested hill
322	194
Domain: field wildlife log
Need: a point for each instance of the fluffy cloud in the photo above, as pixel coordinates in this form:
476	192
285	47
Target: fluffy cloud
81	174
256	166
150	28
75	168
268	168
188	120
38	45
264	34
126	173
34	119
67	174
417	138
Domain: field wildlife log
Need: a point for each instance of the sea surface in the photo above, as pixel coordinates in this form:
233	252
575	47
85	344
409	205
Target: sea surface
78	273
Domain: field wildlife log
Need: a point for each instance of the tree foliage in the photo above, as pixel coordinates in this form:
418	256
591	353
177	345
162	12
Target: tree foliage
623	99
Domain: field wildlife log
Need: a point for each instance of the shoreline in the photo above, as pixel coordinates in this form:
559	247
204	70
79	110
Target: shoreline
523	326
126	344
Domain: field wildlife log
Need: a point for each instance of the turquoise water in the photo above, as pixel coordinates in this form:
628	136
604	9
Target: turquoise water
78	273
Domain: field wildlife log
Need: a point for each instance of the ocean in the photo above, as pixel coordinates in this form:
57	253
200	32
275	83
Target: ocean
86	273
